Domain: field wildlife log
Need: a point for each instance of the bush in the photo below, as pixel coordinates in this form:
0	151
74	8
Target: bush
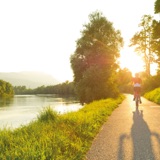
47	114
153	95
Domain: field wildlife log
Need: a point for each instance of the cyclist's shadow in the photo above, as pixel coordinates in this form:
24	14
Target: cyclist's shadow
141	139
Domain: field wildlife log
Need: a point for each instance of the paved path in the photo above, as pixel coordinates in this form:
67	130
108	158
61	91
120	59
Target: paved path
129	134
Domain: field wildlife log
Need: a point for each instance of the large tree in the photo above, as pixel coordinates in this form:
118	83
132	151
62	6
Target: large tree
144	42
94	61
156	31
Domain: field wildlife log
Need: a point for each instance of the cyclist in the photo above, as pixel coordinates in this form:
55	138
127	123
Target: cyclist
137	81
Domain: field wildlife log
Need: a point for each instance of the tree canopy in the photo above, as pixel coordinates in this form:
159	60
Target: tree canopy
156	31
145	43
157	6
124	80
6	89
94	61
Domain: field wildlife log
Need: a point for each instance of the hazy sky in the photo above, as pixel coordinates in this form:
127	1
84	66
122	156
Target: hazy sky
40	35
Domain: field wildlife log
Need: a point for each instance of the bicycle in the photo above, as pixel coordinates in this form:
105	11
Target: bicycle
137	98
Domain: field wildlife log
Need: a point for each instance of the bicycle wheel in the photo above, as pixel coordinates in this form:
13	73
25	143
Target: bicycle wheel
137	101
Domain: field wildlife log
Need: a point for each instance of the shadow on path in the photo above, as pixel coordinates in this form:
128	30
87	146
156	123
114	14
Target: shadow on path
141	135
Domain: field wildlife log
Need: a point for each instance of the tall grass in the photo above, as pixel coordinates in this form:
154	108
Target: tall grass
57	137
153	95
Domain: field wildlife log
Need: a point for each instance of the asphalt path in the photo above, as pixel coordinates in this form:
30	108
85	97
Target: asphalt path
129	133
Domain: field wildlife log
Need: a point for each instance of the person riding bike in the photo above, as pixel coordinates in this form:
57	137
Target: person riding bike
137	81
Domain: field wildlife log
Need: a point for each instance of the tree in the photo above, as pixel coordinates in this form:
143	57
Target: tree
124	80
156	40
6	89
157	6
94	61
144	42
156	31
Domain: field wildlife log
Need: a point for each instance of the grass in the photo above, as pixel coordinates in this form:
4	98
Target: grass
153	95
57	137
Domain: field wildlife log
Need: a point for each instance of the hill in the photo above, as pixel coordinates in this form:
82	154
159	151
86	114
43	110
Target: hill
28	79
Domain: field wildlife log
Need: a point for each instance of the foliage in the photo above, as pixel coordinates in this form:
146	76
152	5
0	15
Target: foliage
156	43
6	89
153	95
66	88
144	42
151	83
156	31
94	60
124	80
22	90
67	136
157	6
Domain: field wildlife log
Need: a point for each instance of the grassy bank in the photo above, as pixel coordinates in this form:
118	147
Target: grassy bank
153	96
57	137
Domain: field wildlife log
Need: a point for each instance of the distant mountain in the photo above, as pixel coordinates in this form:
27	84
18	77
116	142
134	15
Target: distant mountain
28	79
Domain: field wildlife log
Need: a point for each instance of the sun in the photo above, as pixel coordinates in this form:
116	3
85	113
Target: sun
132	61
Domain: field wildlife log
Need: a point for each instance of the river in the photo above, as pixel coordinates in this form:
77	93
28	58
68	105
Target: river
23	109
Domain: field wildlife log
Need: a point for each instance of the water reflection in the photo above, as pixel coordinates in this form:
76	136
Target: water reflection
22	109
5	101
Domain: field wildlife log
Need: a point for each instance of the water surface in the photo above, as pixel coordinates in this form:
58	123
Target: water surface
22	109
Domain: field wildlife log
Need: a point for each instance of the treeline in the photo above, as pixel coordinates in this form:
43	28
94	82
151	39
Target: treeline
6	89
66	88
125	85
150	83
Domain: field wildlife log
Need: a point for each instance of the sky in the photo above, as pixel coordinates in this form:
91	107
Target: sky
40	35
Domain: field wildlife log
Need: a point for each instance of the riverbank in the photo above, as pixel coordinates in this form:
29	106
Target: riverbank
55	136
22	109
